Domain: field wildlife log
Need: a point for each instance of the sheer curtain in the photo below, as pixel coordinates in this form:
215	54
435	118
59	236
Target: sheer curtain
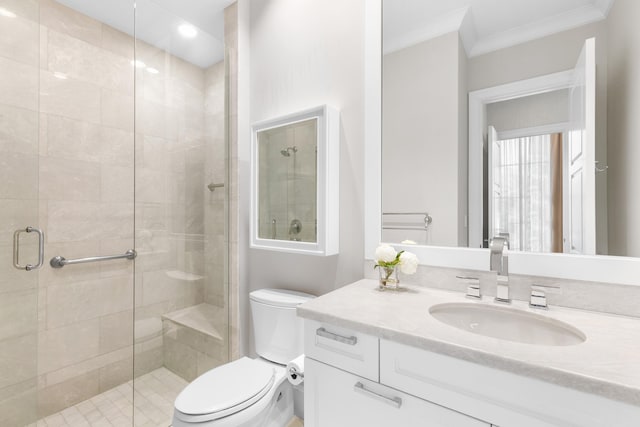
522	192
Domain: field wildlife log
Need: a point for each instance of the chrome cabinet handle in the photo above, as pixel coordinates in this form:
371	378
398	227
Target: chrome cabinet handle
396	402
322	332
16	249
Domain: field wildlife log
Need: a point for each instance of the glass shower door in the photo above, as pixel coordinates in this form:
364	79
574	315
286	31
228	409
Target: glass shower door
18	285
19	142
181	314
103	137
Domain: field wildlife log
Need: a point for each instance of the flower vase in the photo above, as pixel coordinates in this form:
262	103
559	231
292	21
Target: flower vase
389	278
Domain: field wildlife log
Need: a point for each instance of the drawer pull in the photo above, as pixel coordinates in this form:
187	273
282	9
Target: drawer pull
322	332
396	402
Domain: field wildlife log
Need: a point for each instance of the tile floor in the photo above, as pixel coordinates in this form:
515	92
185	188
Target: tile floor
155	393
154	396
296	422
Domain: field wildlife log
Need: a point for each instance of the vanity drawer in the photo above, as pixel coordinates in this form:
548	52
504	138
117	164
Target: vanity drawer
343	348
334	398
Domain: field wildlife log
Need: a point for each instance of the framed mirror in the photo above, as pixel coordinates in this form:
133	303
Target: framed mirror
511	117
294	182
407	17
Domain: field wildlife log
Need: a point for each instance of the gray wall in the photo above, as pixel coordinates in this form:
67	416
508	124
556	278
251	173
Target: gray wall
530	111
422	157
624	128
463	146
305	53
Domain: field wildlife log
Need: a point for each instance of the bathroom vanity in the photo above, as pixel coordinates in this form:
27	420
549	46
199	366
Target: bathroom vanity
383	358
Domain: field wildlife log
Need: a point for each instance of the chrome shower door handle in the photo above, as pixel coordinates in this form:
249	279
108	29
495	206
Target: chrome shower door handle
16	249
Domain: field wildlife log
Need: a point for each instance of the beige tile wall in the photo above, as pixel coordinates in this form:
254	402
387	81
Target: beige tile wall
216	173
233	265
19	122
67	150
86	164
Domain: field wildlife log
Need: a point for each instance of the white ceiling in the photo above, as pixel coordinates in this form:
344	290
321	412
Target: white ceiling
484	25
156	22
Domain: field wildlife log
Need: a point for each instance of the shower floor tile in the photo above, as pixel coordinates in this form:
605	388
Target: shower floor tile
153	399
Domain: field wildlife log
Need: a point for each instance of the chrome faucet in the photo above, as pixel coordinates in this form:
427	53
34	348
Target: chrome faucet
499	262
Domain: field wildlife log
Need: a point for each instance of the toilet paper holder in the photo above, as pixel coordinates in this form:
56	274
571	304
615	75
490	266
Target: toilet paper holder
293	372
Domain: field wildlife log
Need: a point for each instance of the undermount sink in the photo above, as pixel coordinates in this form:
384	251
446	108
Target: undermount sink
507	324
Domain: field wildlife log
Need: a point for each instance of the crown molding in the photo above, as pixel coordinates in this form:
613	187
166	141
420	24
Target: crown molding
467	32
461	20
536	30
604	6
439	26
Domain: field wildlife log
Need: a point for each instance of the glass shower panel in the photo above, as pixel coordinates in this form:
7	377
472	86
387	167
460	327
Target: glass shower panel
67	141
19	142
181	321
85	110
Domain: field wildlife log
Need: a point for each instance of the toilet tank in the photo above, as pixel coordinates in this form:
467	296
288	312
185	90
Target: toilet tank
277	331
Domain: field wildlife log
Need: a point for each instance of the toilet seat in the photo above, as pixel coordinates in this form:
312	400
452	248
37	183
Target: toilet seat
225	390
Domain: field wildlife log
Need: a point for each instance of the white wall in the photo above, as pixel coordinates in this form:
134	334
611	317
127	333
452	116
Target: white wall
305	53
624	128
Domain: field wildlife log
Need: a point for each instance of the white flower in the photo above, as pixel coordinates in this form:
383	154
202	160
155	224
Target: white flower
385	253
408	263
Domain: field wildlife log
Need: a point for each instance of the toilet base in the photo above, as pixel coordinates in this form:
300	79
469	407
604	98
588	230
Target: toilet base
275	409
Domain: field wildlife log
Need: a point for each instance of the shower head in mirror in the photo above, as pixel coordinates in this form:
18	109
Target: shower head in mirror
287	151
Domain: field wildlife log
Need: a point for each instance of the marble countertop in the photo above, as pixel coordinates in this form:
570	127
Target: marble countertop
606	364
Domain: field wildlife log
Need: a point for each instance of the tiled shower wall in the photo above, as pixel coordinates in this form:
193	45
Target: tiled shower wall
71	78
216	173
19	77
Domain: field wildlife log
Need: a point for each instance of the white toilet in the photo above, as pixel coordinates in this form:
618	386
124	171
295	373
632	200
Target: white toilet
250	392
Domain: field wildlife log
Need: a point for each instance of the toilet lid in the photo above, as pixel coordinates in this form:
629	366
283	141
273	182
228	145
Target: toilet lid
280	297
226	389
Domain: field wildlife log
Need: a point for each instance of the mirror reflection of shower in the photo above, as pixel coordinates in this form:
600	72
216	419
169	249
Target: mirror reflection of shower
287	151
296	226
287	182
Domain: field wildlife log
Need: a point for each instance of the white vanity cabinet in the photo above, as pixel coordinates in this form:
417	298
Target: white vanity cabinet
336	398
342	387
355	379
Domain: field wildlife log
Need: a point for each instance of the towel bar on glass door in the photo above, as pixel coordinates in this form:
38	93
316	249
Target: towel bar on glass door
60	261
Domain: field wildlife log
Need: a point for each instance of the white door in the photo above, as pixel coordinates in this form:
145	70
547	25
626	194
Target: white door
581	149
493	189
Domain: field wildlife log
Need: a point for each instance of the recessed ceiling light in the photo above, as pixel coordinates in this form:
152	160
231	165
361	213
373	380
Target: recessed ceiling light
152	70
187	31
6	13
138	64
59	75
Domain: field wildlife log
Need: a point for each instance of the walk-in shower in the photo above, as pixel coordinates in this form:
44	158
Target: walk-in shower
113	250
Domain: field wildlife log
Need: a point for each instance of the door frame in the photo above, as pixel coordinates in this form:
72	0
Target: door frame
478	101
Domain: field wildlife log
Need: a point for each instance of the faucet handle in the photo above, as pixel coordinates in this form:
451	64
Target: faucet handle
538	298
473	286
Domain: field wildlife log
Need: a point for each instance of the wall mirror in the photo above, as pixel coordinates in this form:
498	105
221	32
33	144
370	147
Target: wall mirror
294	197
514	117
